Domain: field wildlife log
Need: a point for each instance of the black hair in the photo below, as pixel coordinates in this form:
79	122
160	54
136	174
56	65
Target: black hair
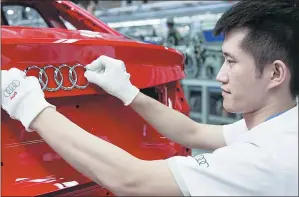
273	32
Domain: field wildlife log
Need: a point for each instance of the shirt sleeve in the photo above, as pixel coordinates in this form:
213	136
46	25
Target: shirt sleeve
231	131
240	169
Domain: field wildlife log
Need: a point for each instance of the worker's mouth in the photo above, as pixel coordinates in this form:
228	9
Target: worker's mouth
225	91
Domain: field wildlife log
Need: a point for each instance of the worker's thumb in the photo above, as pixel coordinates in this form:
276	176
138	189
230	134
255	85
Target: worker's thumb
95	65
94	77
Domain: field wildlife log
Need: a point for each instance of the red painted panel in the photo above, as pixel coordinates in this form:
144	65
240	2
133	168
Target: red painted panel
30	167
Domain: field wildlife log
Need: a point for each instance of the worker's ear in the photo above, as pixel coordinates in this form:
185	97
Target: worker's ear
278	73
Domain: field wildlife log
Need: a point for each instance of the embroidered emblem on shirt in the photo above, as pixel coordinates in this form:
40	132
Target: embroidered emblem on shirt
201	160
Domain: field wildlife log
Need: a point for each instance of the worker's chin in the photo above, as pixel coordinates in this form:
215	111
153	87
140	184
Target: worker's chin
229	106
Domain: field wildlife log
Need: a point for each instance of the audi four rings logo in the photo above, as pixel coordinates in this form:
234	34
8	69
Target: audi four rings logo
11	88
43	77
201	160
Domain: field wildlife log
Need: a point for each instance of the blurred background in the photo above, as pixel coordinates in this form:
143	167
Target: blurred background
184	25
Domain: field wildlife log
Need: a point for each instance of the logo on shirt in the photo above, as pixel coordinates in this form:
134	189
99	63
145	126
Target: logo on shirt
201	160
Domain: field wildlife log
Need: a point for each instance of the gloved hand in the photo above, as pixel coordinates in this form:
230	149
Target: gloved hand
22	97
110	74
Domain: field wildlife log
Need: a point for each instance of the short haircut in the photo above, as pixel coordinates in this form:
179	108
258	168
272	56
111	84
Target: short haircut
272	32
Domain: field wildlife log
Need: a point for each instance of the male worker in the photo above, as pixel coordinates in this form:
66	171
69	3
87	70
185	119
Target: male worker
255	156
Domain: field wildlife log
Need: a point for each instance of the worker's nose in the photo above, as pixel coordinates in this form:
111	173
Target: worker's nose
222	75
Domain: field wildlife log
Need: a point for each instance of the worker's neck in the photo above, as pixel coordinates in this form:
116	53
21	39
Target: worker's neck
272	108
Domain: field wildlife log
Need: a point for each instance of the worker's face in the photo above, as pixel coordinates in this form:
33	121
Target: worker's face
243	89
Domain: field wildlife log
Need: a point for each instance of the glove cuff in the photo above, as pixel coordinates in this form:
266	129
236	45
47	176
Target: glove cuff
31	108
128	94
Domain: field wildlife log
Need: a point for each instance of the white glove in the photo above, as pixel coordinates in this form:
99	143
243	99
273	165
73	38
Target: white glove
22	97
110	74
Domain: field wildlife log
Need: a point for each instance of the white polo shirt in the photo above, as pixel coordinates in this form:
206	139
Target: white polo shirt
262	161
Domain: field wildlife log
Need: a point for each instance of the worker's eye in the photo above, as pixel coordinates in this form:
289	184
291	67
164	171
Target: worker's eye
230	62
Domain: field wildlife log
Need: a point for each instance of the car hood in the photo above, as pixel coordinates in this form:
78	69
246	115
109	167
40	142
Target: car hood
148	64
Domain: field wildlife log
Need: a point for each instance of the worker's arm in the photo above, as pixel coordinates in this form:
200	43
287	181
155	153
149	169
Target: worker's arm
101	161
110	74
177	126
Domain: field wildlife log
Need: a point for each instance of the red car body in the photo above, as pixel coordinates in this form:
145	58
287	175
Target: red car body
29	166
